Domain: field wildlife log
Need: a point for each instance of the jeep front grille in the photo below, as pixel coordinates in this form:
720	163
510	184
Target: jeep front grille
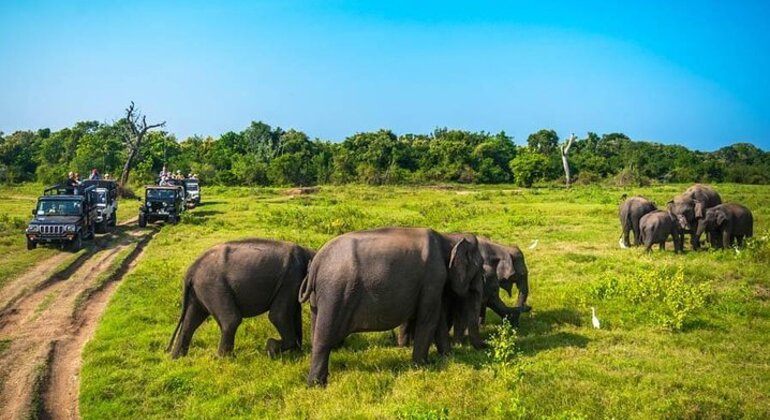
52	229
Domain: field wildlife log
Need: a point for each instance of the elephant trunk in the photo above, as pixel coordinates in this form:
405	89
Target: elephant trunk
523	286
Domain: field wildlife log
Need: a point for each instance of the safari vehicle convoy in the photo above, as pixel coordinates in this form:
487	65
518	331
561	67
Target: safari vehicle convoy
162	203
106	203
64	216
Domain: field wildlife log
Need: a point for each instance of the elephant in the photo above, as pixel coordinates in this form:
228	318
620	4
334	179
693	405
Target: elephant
656	227
631	212
242	279
730	221
379	279
691	206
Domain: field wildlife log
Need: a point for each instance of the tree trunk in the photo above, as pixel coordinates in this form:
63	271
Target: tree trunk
127	168
564	153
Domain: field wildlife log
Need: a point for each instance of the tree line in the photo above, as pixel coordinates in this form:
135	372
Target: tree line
263	155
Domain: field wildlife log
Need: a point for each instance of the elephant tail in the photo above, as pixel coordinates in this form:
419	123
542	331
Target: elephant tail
305	289
185	302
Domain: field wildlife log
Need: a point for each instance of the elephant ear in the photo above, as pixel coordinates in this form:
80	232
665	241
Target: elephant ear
505	268
700	209
670	205
721	217
459	265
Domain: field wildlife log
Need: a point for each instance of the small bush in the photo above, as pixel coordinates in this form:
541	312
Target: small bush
504	354
758	248
667	299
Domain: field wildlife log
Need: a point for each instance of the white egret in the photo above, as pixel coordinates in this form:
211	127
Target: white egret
594	319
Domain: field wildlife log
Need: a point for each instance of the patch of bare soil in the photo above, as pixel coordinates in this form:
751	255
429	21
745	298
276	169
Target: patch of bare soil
39	370
301	191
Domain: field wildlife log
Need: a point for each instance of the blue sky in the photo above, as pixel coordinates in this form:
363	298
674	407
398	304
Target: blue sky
662	71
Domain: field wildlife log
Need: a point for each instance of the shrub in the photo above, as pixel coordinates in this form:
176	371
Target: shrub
667	299
504	353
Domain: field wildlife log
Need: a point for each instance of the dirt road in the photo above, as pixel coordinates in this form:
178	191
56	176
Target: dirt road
52	313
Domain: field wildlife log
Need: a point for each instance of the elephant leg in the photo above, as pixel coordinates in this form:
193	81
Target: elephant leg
319	364
284	322
727	240
405	332
637	232
193	319
483	314
229	325
739	239
443	344
329	331
425	326
662	245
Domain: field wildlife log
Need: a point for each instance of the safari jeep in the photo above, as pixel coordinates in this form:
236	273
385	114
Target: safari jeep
193	190
161	203
106	203
63	216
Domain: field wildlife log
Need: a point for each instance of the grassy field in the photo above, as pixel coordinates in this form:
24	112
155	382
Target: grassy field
682	335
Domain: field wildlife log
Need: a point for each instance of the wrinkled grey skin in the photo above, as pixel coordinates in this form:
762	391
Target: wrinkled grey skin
631	211
379	279
657	226
242	279
503	267
730	221
691	206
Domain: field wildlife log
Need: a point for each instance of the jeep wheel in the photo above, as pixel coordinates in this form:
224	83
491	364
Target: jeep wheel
114	218
142	220
76	243
101	227
172	220
31	244
91	232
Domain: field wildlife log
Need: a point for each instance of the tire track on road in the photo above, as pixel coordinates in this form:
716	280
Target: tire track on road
49	326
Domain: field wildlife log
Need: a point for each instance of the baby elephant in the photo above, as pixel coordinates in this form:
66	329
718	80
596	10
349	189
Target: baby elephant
732	221
241	279
656	227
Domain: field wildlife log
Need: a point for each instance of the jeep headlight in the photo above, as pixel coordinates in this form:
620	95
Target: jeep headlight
164	204
147	204
70	228
33	228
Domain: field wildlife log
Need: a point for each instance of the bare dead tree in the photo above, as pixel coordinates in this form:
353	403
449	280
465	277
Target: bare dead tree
564	152
134	128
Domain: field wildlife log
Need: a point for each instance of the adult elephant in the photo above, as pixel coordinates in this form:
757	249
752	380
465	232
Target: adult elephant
631	211
242	279
730	221
379	279
691	206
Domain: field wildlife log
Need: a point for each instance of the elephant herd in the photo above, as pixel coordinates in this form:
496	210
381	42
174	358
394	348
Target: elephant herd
697	211
423	282
420	281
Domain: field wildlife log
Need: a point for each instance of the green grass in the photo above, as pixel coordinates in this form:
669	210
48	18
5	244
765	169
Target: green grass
695	349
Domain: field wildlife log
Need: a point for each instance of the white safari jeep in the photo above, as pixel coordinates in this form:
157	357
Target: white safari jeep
106	203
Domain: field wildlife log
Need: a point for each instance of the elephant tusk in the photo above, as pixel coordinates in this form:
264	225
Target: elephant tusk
622	245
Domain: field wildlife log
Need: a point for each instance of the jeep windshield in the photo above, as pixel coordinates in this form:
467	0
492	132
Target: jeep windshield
58	208
164	195
191	186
